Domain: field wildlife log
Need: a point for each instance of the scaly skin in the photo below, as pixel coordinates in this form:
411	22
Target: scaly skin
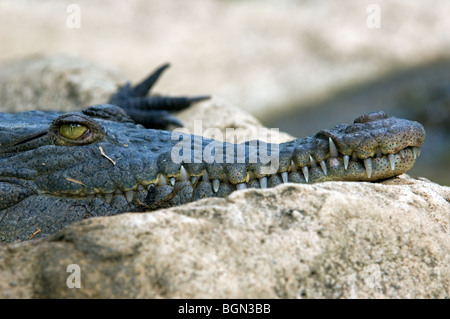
48	181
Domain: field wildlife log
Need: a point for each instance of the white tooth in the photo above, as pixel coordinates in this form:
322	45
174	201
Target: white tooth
333	149
205	176
241	186
140	188
216	184
162	180
354	157
263	182
368	165
183	174
172	181
284	177
402	153
108	197
194	179
414	149
150	186
312	162
293	167
129	196
306	173
324	167
346	159
392	161
418	151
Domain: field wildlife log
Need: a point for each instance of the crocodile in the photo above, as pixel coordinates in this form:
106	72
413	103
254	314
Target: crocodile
58	168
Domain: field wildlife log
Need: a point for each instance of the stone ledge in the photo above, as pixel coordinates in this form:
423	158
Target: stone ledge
327	240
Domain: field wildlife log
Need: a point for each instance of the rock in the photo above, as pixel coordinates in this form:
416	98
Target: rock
60	82
234	126
328	240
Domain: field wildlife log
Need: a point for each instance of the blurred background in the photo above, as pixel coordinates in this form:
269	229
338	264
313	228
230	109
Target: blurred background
299	66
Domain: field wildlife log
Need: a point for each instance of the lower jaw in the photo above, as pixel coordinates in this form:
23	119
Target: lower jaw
154	196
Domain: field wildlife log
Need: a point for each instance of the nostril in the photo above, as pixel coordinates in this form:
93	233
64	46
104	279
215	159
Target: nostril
373	116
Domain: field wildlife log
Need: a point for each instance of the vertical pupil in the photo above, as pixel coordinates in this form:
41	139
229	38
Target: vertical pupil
72	130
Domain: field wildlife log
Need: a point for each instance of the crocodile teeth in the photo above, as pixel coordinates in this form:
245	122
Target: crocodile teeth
333	149
293	167
216	184
263	182
346	160
162	180
241	186
392	161
402	153
172	181
312	162
205	176
108	198
368	165
306	173
414	149
194	179
183	174
324	167
129	196
284	177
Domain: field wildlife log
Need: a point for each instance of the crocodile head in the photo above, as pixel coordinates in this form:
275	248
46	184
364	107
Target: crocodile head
58	168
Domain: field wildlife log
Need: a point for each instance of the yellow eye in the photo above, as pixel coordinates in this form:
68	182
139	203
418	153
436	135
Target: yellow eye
72	131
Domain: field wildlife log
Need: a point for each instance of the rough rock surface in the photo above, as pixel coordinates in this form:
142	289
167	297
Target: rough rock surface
60	82
67	83
329	240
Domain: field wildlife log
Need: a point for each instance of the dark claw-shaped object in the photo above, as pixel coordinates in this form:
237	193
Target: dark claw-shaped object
156	119
151	111
145	86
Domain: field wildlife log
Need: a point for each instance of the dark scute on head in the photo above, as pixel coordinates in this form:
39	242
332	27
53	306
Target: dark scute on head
373	116
108	112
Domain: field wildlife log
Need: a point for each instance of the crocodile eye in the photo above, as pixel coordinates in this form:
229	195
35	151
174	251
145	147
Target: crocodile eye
75	129
72	131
